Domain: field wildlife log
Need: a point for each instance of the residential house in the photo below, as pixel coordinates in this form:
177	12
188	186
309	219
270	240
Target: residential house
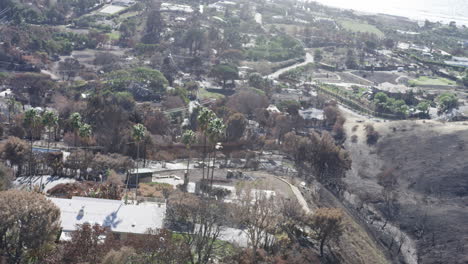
120	218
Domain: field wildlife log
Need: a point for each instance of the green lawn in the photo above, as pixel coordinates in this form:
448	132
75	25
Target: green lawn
204	94
356	26
425	80
114	35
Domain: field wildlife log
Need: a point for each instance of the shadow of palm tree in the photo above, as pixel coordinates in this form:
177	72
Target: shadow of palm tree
111	220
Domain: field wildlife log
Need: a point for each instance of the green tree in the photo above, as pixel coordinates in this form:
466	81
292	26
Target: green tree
16	151
154	25
423	107
447	101
29	223
236	125
400	108
351	60
194	39
465	79
256	80
154	80
225	72
292	107
318	56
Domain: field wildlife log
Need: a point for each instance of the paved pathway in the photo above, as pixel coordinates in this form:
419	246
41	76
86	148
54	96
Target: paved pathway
298	195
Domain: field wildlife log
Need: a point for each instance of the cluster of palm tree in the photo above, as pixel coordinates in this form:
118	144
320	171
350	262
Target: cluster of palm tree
213	130
80	129
34	121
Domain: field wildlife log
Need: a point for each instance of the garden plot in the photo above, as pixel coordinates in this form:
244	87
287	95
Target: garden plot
379	77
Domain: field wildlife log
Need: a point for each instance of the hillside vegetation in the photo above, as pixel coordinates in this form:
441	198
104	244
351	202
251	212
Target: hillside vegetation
425	162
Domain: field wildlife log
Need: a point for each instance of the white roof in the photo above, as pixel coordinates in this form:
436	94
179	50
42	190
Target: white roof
5	93
114	214
311	113
273	108
176	8
111	9
143	170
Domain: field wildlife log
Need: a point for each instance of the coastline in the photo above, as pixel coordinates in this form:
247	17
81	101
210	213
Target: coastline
417	16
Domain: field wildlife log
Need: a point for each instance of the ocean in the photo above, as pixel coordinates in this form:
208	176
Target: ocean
432	10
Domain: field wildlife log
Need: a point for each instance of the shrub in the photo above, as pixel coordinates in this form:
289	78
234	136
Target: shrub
372	135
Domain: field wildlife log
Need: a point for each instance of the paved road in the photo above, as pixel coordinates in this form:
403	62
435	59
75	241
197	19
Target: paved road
308	59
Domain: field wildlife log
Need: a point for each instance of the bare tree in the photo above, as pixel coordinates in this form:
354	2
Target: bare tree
389	181
201	219
87	245
293	218
6	177
328	161
259	215
157	246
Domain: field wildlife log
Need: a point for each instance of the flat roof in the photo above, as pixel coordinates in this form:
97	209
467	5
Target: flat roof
111	9
311	113
176	8
143	171
115	214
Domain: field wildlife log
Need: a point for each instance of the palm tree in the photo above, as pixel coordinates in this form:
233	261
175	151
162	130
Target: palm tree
215	130
188	138
50	121
85	132
138	134
204	118
75	121
12	104
31	122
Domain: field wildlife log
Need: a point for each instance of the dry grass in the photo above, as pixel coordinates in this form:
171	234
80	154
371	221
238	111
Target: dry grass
155	190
